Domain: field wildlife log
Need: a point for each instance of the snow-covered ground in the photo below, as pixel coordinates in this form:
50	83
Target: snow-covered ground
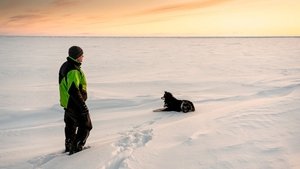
246	92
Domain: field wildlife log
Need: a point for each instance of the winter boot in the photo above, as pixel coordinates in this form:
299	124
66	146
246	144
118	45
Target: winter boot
76	147
68	145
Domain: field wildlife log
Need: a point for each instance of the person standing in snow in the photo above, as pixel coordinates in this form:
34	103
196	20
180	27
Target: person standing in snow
73	94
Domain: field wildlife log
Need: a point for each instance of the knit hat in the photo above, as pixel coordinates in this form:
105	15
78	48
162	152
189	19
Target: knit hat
75	52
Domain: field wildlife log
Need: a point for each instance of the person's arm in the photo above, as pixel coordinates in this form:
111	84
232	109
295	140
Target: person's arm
74	91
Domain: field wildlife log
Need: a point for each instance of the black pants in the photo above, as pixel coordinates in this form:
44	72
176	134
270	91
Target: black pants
77	127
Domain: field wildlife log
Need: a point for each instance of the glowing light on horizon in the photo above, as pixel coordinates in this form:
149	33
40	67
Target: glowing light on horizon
155	18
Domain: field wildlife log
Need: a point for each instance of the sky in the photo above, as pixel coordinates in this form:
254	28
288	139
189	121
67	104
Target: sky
150	17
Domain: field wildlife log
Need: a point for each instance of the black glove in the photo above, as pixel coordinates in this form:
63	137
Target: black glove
84	109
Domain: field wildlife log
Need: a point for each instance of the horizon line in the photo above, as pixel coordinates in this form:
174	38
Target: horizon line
96	36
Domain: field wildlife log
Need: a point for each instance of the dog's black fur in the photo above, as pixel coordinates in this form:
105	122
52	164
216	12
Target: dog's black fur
173	104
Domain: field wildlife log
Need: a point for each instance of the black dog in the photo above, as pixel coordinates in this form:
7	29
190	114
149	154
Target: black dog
173	104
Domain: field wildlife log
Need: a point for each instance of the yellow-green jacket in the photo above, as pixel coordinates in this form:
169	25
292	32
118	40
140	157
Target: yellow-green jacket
73	87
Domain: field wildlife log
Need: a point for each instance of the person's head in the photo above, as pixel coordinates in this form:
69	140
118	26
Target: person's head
76	53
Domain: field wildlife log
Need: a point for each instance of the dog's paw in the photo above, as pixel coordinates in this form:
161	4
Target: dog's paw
159	110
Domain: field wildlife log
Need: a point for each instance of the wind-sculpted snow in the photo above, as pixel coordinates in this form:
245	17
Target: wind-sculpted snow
246	92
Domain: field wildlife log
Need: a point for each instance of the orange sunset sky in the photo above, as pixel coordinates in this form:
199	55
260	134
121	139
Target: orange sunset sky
150	17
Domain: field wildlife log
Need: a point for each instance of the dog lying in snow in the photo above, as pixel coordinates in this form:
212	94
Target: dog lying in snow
173	104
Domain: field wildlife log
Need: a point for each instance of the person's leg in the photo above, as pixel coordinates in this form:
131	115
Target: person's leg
70	131
84	127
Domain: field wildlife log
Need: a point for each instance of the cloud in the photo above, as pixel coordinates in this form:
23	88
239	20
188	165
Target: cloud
65	3
171	8
182	7
17	18
24	19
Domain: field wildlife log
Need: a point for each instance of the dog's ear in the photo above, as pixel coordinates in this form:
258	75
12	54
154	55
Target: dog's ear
166	92
169	93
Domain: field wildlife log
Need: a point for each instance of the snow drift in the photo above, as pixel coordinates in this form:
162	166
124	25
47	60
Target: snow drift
246	92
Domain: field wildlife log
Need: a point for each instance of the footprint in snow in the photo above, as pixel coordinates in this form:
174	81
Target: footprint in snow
134	139
129	141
